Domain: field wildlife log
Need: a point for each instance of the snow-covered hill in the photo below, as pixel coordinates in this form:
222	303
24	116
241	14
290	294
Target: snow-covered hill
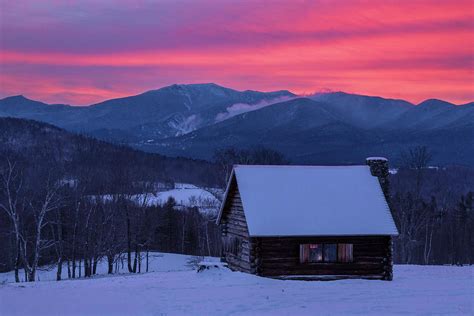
185	195
176	290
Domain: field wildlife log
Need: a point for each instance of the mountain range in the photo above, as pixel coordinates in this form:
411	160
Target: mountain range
328	128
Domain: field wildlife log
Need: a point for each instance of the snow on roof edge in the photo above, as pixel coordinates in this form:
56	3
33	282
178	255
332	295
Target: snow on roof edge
224	198
325	235
300	166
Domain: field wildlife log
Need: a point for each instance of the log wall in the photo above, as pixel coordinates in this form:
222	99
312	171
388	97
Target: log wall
280	256
235	232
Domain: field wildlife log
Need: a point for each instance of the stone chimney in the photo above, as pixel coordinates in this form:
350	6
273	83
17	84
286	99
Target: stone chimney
379	168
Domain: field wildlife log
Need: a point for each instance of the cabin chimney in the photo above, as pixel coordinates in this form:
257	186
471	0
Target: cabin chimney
379	168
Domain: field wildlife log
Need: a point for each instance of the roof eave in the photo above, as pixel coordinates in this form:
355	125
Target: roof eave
324	235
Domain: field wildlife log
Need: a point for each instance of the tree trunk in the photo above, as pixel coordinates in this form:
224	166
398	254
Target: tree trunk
207	240
129	246
17	265
184	233
74	233
17	275
32	275
134	270
73	266
59	245
87	267
147	251
139	264
80	268
68	269
60	269
94	269
110	264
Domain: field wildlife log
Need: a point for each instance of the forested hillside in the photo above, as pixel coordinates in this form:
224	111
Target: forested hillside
51	210
79	157
434	212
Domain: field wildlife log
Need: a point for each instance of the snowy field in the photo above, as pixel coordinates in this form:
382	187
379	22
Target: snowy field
158	262
174	289
185	195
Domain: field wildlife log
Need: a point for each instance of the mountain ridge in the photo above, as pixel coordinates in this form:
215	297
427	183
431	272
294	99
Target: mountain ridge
195	120
247	90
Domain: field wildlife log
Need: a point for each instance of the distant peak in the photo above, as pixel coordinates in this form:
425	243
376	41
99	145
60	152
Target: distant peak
468	104
213	86
17	97
209	84
435	102
276	92
193	85
323	92
349	99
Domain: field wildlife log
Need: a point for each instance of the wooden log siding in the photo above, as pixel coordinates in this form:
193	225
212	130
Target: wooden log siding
234	226
279	256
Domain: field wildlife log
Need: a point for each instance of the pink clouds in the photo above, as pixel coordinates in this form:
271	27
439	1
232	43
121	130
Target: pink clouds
87	51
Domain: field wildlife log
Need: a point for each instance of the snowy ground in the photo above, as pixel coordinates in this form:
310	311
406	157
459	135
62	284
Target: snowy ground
185	195
176	290
158	262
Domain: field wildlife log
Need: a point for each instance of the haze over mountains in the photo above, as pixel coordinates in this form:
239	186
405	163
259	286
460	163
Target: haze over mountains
330	128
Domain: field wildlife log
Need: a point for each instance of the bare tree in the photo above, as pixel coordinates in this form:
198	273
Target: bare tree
49	201
418	159
228	157
10	190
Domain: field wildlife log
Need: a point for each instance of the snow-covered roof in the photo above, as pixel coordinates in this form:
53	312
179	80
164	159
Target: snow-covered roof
312	201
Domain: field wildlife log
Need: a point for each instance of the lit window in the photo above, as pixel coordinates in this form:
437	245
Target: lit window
325	253
315	253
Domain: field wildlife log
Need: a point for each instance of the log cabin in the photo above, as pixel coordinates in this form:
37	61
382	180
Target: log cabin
309	222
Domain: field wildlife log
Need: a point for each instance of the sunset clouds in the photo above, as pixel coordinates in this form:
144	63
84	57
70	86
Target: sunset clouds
82	52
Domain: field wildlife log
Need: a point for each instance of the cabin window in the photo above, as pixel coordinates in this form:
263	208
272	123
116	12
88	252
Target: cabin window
315	252
344	253
311	253
330	252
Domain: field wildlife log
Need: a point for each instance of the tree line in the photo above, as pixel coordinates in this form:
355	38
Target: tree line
45	221
433	210
49	217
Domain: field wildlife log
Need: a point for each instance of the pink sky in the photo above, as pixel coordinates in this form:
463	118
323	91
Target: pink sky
82	52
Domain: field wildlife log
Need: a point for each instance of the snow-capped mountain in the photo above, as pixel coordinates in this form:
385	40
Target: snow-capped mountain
363	111
194	120
308	131
170	111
